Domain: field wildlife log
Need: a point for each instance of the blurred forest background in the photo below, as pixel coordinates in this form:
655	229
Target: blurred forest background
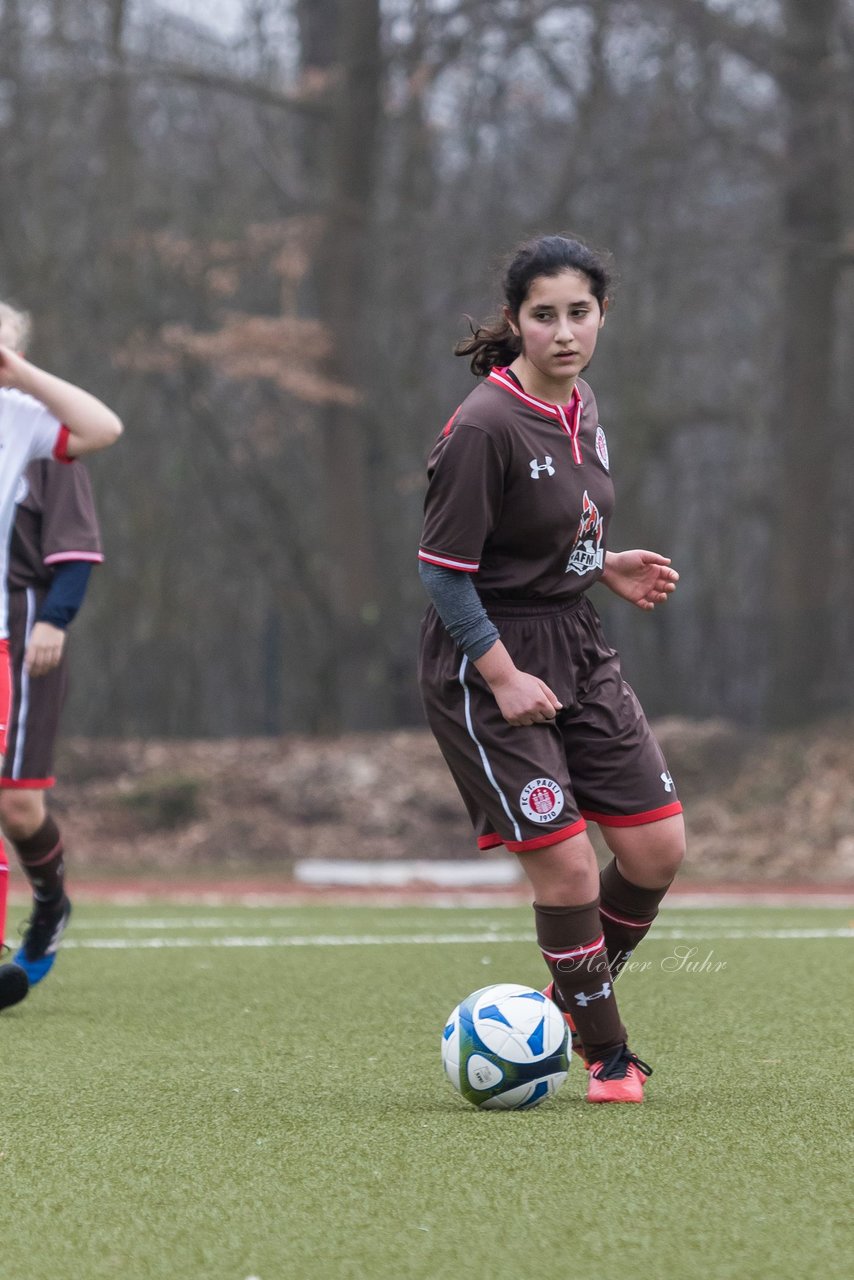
255	229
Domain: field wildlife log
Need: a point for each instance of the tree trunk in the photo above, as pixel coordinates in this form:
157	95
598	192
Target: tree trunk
357	693
801	685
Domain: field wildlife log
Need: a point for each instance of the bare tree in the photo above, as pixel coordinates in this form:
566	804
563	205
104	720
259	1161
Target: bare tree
803	685
805	57
263	254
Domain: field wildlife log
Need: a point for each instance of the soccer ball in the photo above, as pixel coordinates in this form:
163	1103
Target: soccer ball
505	1047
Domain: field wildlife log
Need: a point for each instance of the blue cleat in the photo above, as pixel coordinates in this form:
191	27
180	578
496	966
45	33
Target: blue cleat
42	937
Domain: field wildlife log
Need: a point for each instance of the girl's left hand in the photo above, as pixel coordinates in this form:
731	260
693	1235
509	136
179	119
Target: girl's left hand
643	578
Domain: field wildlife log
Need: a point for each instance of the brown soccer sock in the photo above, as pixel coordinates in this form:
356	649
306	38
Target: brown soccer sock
627	912
573	947
40	856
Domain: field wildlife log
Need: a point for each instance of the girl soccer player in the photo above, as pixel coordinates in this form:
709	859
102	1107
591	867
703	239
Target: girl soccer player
525	698
41	416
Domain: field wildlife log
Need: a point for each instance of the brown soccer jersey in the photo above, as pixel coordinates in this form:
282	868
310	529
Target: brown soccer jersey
55	521
520	496
519	493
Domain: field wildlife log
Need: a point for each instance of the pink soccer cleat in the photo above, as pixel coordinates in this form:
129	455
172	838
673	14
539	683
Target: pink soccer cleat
619	1078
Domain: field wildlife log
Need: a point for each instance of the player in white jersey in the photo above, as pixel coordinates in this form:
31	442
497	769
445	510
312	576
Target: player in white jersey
41	416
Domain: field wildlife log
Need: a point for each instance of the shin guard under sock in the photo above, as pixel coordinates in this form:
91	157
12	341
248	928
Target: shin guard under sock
41	858
573	947
627	912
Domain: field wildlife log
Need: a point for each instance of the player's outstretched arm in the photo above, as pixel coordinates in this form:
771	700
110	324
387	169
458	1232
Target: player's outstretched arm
91	425
643	578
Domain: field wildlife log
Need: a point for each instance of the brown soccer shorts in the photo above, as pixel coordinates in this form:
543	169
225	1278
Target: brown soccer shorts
530	786
36	703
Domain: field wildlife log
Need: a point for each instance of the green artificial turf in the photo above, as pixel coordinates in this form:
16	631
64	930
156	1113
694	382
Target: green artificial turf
215	1110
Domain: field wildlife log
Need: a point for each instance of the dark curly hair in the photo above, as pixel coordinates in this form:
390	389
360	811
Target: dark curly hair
494	342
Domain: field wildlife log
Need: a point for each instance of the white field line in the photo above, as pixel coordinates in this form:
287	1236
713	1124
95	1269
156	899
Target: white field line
667	921
191	924
184	922
426	939
482	899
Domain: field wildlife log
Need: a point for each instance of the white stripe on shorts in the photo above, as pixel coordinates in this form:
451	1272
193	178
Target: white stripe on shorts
484	759
23	708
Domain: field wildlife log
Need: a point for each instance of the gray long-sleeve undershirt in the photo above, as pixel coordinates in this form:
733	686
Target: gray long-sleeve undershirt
457	603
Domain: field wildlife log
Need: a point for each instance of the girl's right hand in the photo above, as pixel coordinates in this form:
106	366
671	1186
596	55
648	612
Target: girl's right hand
521	697
10	367
525	699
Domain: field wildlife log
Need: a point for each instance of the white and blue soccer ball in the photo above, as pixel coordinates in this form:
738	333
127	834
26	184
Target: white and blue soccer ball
506	1047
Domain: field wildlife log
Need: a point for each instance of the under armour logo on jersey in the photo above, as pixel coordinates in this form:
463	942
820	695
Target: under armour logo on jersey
584	999
537	467
667	780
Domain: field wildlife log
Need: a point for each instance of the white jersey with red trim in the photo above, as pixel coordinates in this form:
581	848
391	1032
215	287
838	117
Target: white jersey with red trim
28	430
519	493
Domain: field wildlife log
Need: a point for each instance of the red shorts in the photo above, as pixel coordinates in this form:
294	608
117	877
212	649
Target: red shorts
5	694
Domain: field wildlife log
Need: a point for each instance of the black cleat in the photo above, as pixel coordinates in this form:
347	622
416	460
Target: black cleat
42	937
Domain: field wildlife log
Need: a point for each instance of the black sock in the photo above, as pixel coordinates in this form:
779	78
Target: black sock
40	856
